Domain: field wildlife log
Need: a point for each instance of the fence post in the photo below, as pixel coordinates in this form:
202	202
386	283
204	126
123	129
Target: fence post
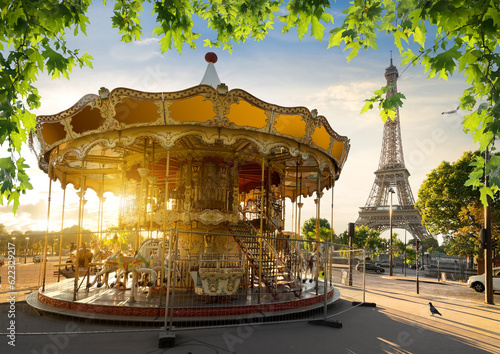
167	336
351	236
326	272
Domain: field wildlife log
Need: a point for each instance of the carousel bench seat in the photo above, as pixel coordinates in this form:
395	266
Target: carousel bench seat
219	274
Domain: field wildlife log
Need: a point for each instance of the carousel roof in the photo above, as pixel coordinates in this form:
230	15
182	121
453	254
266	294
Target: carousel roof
104	133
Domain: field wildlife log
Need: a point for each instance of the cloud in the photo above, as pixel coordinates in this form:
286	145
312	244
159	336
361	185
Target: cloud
135	52
28	216
344	98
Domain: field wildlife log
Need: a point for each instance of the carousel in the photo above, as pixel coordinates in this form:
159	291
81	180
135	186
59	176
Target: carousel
202	176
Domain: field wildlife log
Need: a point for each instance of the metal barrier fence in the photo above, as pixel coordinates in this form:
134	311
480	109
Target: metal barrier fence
212	280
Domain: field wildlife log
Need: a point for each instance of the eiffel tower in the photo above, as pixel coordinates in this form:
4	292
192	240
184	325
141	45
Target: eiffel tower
392	177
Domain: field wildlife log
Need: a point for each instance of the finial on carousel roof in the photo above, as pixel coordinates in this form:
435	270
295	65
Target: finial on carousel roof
211	78
211	57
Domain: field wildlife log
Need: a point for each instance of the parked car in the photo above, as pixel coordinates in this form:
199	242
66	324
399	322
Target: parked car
37	258
384	264
429	267
369	267
476	282
413	266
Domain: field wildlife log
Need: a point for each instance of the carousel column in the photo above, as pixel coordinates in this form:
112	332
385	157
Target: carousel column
44	254
143	173
330	253
300	205
283	215
299	214
152	183
222	199
81	194
267	210
317	248
165	204
233	206
262	184
236	191
188	191
268	200
102	199
122	197
61	235
152	187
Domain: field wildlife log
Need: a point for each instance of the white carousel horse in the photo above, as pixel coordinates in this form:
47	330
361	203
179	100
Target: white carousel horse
140	263
313	261
157	266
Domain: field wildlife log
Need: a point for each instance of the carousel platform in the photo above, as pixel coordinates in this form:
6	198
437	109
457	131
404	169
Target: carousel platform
114	305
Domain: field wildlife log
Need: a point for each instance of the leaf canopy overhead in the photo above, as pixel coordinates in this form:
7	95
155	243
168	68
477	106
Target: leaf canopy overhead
443	36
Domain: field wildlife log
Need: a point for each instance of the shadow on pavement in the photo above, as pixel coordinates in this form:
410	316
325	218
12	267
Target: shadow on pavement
364	330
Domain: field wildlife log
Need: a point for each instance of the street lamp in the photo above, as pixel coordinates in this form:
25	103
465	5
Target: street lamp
391	191
55	241
404	262
26	250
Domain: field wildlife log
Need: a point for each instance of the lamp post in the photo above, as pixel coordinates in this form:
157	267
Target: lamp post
488	266
404	263
26	250
391	191
14	242
55	241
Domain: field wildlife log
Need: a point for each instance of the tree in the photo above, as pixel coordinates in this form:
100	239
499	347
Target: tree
442	196
4	239
463	243
429	243
121	239
411	256
366	238
450	208
443	36
308	229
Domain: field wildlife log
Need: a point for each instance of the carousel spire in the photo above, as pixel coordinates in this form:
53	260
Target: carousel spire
211	78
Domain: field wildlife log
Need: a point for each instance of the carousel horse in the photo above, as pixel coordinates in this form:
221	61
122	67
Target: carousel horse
157	266
100	255
140	263
84	255
313	262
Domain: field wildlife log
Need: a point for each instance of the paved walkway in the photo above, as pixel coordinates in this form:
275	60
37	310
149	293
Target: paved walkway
400	323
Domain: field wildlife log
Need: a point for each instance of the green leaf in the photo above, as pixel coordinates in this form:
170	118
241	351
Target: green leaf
368	106
317	29
419	36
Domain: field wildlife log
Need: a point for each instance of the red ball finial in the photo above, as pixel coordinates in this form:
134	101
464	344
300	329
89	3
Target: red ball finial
211	57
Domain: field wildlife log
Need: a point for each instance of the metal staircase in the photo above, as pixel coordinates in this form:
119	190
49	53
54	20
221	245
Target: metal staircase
276	270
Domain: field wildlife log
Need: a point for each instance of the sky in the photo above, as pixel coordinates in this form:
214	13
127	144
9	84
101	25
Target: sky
281	70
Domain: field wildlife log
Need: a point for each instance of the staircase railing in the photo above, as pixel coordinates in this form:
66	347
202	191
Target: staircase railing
283	268
295	265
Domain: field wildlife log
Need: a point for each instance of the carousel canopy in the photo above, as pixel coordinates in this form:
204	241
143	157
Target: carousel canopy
106	136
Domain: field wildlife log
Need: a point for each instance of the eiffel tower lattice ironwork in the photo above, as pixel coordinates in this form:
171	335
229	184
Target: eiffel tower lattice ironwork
392	173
